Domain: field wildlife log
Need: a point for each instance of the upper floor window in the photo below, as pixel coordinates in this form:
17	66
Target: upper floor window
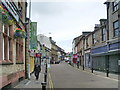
115	5
20	9
116	28
87	43
94	39
103	34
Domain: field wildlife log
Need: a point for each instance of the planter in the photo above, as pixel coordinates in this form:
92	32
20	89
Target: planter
19	33
5	17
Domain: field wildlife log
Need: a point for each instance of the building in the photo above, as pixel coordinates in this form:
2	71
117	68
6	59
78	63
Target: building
61	53
99	39
80	47
12	41
106	55
74	42
45	47
87	51
113	43
54	51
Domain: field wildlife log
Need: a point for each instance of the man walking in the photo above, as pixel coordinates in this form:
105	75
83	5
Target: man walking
37	70
78	63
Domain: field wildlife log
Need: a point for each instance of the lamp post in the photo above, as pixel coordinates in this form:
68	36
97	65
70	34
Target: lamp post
28	32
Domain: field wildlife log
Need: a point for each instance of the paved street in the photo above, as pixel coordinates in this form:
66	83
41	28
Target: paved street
32	83
65	76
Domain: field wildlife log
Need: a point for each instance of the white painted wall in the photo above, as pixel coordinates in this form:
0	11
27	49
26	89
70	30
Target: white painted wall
44	40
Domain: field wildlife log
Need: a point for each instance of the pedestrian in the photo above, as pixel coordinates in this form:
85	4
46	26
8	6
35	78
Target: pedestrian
37	70
74	61
78	62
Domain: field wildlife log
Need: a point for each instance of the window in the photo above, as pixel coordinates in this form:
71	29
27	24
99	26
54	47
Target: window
103	34
116	28
94	38
19	50
87	43
6	42
20	9
115	5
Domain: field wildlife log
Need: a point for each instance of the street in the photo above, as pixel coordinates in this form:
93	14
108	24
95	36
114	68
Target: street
65	76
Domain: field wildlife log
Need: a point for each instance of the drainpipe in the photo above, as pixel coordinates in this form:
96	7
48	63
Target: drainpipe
107	57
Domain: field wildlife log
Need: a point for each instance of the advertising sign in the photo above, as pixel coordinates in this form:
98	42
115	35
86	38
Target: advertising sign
33	34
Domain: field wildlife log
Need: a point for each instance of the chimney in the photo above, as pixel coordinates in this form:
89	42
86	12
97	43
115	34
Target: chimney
50	38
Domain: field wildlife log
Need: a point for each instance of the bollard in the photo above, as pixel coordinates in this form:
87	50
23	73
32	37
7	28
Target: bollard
45	74
43	85
107	73
83	67
45	77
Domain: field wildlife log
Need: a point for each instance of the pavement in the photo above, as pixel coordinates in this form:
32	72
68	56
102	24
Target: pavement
52	80
100	73
32	83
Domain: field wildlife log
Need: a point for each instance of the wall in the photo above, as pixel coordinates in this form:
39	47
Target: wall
113	16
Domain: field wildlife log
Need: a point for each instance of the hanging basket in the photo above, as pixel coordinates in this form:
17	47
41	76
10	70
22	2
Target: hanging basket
5	17
19	33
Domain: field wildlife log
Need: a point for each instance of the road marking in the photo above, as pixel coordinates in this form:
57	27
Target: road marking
28	82
97	75
50	82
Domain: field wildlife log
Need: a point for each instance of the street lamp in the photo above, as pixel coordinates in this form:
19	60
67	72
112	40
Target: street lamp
29	40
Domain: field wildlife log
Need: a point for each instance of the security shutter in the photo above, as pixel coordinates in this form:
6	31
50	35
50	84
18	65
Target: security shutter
113	62
99	63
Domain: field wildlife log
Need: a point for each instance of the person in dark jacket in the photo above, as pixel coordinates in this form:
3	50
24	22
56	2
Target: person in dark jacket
37	70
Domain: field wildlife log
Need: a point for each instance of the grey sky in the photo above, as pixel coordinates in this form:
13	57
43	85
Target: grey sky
66	20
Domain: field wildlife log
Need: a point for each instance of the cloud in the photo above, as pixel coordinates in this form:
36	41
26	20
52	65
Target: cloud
67	20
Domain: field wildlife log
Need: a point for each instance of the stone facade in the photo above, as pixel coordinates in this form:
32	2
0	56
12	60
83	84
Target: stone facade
54	51
105	55
12	59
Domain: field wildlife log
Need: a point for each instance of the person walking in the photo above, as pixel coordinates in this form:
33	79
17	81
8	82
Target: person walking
37	70
78	62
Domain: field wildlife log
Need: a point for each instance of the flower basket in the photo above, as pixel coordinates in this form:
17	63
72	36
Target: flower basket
19	33
6	18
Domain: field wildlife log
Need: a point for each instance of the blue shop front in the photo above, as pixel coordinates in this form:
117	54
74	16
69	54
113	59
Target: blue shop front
106	57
